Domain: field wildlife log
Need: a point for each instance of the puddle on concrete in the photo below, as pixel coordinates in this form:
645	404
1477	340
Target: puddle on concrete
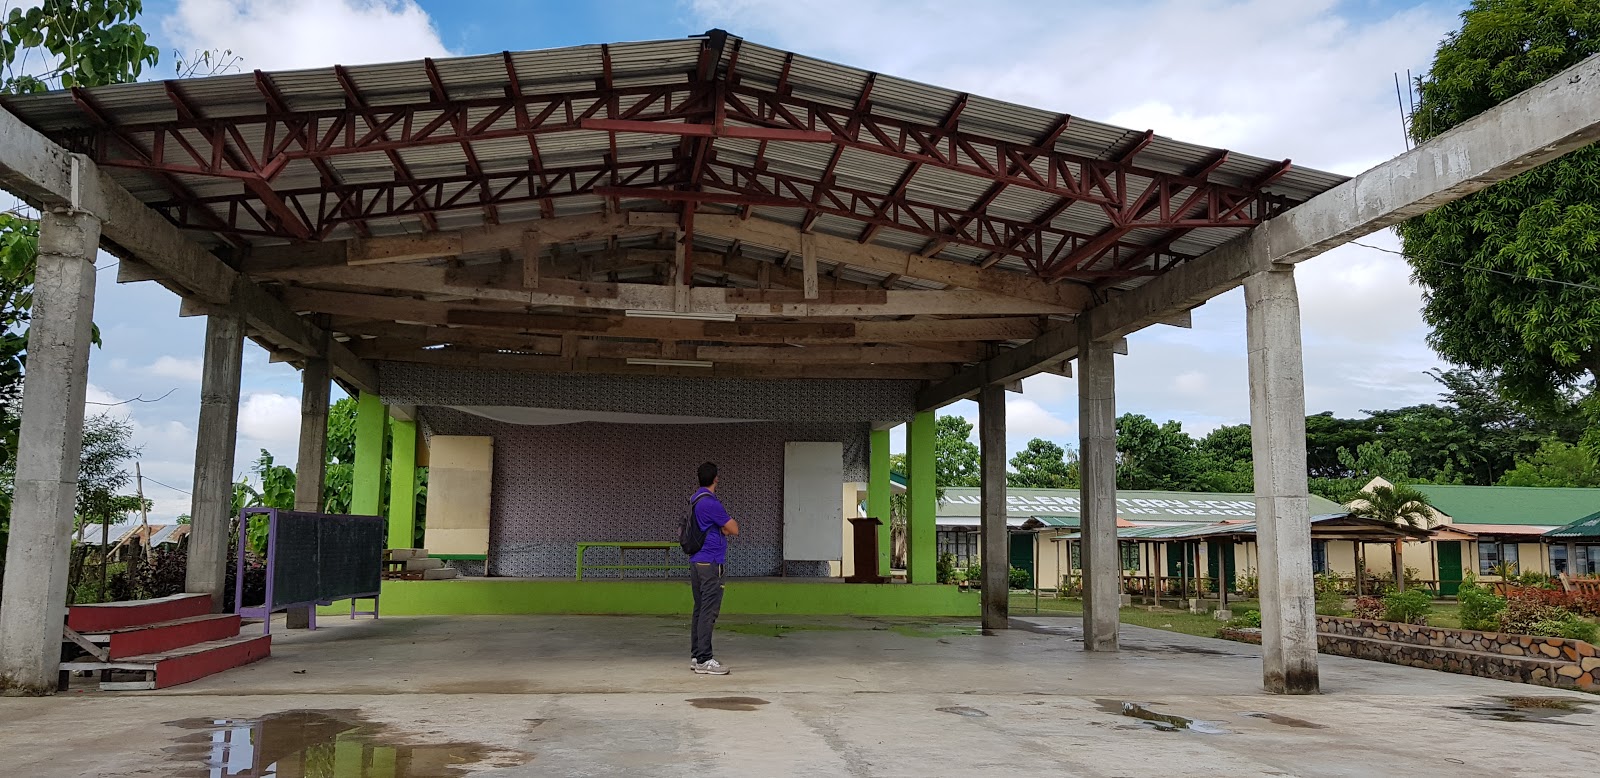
727	703
962	710
1164	722
1287	721
1540	710
317	744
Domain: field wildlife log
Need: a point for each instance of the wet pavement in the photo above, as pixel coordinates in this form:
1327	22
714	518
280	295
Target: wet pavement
613	696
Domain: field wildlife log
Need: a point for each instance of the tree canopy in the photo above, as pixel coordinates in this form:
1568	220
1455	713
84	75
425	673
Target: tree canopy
1397	504
1509	272
1044	465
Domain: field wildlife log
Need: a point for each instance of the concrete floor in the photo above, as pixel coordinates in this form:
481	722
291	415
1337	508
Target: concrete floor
596	696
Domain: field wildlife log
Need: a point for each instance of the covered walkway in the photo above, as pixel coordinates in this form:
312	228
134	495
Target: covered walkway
539	695
758	247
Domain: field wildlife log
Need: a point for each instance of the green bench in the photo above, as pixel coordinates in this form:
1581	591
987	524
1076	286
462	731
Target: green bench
622	547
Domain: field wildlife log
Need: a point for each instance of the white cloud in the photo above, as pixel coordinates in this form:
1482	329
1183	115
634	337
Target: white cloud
270	419
291	34
182	369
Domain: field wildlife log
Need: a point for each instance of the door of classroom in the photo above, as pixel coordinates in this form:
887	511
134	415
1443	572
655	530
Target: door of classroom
1450	573
1022	553
1219	553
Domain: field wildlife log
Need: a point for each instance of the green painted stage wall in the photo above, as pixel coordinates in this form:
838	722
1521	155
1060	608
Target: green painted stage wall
509	596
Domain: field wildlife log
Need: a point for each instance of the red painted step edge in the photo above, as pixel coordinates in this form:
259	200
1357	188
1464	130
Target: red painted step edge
183	669
165	637
112	615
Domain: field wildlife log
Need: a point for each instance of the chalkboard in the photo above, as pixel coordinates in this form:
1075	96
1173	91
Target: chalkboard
350	556
316	557
295	548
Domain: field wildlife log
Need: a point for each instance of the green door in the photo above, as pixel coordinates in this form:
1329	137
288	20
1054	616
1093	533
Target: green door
1219	554
1022	553
1449	568
1174	554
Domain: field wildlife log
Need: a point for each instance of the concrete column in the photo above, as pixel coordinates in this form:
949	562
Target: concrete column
48	445
215	438
310	471
366	489
879	490
1278	442
1097	430
921	529
995	547
403	485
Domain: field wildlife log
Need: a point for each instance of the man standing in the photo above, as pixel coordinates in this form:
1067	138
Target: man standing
706	570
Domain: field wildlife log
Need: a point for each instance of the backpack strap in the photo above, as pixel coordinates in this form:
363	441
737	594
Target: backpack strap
697	498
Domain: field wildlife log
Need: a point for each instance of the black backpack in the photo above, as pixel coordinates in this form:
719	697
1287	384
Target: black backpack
690	537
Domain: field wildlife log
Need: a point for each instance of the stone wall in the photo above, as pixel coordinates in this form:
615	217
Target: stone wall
1557	662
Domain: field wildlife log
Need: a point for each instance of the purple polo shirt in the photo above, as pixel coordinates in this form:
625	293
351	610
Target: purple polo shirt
710	515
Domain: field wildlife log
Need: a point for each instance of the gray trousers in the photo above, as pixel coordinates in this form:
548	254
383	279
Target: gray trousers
705	580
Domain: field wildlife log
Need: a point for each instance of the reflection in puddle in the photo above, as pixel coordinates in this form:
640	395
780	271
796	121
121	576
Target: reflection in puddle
314	744
1163	722
1541	710
727	703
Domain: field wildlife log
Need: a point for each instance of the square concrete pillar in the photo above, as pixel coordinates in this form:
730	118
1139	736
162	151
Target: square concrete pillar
310	469
215	437
1283	521
403	484
33	610
879	490
1097	431
995	540
922	499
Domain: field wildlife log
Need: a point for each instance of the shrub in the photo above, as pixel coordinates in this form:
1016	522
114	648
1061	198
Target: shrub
1408	607
1369	608
1070	587
975	575
1247	619
1330	584
1248	584
1020	579
1331	604
1480	606
1537	579
945	567
1533	612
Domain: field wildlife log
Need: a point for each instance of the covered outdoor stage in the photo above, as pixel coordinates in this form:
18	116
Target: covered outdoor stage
605	264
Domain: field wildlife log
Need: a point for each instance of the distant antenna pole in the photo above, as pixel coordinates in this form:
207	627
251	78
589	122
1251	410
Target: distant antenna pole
144	511
1405	130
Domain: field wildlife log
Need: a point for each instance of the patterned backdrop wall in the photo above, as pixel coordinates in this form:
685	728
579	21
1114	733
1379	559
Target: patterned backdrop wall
555	485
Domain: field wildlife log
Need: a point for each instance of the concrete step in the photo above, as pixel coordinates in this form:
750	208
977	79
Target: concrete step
167	635
440	574
402	554
106	616
426	563
164	669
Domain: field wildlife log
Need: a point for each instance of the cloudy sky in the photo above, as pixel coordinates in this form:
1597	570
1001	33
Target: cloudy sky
1311	80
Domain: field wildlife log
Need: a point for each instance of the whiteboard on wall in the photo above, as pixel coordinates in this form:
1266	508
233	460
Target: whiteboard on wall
812	508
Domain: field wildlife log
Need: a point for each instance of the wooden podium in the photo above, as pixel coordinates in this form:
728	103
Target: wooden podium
865	536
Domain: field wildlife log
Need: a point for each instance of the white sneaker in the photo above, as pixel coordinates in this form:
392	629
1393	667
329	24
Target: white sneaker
693	665
711	667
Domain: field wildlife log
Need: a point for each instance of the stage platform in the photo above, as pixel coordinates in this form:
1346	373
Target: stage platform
665	596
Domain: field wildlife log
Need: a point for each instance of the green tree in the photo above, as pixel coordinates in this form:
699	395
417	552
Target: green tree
1506	270
1555	464
1044	465
1224	461
1153	456
955	456
68	43
1394	504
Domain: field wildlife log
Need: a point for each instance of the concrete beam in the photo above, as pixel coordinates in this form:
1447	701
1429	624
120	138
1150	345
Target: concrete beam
215	439
47	176
994	535
1554	118
34	601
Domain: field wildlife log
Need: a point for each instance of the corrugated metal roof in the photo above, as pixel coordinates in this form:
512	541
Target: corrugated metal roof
1586	527
1528	505
658	64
